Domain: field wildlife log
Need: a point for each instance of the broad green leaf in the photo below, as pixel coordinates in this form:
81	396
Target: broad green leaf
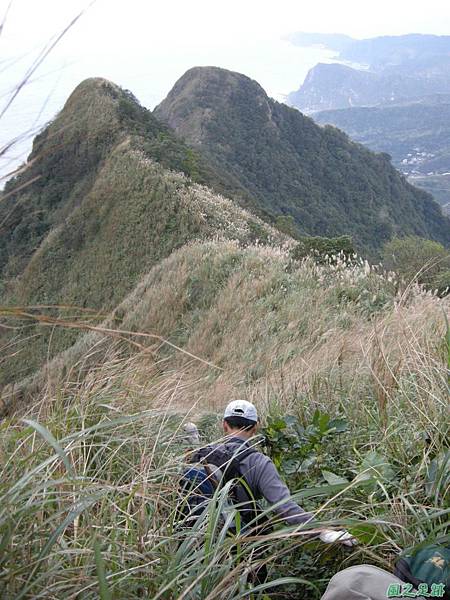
332	478
377	467
367	533
338	425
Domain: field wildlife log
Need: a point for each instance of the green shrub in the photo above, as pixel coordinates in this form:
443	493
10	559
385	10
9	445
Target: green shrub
286	224
323	249
421	260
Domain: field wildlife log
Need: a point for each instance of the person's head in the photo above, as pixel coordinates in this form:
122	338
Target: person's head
240	418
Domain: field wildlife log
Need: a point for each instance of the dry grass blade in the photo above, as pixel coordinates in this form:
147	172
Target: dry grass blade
48	321
40	59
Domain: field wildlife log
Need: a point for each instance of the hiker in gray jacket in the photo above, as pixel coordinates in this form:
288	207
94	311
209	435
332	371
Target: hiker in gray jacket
240	424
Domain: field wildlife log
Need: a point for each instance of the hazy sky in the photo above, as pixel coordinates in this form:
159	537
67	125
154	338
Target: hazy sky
145	45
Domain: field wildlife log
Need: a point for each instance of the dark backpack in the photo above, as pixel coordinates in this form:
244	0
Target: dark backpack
198	485
427	566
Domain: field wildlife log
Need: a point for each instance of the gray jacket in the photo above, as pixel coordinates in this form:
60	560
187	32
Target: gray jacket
264	481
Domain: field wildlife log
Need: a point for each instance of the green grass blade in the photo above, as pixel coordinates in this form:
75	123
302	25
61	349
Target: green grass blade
51	440
104	591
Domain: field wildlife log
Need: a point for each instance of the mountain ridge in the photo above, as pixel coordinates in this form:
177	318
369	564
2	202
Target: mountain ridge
125	205
118	191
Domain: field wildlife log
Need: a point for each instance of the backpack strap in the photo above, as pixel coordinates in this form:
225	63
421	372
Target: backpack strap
403	572
228	458
428	564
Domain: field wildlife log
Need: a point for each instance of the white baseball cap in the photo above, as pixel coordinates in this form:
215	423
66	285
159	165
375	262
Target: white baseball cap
241	408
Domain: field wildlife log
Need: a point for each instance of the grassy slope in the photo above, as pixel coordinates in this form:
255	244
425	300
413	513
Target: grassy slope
255	313
136	214
65	159
330	185
293	337
101	214
86	505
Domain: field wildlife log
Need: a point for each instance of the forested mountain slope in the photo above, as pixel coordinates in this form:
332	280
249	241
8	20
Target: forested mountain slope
329	185
69	154
415	134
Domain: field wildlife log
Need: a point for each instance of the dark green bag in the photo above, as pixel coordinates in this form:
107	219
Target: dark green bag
427	565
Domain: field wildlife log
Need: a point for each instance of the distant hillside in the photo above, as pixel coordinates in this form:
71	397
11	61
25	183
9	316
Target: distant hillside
329	185
377	71
437	185
106	207
397	68
389	51
378	52
398	104
335	86
416	135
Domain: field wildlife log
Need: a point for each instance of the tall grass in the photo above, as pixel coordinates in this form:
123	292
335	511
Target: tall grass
88	499
89	471
87	507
